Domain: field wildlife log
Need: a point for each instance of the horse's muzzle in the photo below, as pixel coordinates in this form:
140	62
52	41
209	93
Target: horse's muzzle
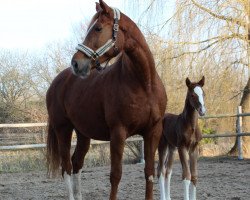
81	67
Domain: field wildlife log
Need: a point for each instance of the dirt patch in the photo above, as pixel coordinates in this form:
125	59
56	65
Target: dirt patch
219	178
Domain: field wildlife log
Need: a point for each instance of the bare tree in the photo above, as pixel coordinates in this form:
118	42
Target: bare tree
210	38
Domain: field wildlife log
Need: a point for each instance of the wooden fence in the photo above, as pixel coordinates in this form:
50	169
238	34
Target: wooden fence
238	134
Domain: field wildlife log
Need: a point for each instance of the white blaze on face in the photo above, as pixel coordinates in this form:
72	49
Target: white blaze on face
199	92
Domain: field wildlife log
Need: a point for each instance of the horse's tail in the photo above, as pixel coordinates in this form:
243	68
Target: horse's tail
52	155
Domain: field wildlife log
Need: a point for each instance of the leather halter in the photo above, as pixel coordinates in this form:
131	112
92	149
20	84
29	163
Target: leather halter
95	55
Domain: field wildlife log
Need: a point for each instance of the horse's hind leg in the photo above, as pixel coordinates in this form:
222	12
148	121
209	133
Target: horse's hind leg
81	149
162	152
64	135
194	172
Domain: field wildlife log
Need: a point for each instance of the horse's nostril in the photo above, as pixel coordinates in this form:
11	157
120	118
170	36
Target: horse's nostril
74	65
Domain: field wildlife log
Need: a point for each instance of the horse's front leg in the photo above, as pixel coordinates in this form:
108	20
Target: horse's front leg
194	172
161	170
151	141
117	142
186	175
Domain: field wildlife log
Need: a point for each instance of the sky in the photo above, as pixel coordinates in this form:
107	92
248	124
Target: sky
32	24
26	24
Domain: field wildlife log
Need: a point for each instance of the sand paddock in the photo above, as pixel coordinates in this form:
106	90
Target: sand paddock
219	178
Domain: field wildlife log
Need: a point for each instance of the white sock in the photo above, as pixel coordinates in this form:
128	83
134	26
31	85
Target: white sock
186	184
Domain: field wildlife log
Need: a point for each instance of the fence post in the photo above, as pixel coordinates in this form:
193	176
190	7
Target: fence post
142	152
239	130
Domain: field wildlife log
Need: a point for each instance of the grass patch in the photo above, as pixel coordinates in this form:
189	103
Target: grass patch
22	160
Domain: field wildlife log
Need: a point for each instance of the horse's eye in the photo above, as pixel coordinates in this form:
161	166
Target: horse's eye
98	29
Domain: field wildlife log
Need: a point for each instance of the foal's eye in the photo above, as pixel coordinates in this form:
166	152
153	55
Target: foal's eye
98	29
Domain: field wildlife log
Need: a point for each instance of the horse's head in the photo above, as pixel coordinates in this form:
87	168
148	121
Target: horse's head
103	41
196	95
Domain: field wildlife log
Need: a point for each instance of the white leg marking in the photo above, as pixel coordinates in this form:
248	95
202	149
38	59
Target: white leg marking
77	185
192	192
186	184
68	185
162	186
151	178
167	185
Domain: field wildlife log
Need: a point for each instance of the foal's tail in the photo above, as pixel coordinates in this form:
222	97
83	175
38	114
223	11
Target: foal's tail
52	154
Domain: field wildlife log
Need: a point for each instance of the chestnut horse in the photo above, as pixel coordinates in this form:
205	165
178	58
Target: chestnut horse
182	132
110	104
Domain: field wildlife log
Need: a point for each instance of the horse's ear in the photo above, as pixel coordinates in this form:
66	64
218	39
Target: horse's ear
202	81
97	7
104	6
188	82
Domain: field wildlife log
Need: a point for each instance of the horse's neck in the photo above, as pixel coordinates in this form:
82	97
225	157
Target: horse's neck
141	58
189	114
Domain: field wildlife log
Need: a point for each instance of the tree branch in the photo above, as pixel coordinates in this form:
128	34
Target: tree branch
222	17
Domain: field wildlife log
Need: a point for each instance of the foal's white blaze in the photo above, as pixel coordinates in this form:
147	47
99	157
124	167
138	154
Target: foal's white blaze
199	93
162	187
186	184
192	192
68	185
77	185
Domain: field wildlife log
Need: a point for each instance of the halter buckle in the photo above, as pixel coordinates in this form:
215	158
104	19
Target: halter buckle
116	27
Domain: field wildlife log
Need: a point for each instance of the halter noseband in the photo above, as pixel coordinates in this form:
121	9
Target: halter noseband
103	49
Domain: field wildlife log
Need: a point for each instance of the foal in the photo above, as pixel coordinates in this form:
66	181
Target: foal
182	132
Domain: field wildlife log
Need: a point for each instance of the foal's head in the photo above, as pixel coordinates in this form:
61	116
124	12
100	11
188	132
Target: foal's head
195	95
104	40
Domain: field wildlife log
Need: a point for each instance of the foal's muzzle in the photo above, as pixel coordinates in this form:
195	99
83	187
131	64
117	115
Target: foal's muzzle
201	110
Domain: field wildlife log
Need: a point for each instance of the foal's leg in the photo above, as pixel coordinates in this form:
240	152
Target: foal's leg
186	175
161	170
64	135
194	172
151	141
117	142
169	166
82	147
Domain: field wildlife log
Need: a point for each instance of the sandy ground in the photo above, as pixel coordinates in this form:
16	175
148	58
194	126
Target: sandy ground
219	178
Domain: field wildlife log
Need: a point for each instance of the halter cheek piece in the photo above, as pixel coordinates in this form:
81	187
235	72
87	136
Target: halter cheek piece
95	55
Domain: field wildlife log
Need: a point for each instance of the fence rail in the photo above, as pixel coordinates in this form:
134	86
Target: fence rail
238	133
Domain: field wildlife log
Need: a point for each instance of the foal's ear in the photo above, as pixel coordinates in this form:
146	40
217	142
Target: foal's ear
202	81
97	7
104	6
188	82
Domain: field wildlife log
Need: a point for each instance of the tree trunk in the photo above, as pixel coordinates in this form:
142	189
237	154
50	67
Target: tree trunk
245	103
